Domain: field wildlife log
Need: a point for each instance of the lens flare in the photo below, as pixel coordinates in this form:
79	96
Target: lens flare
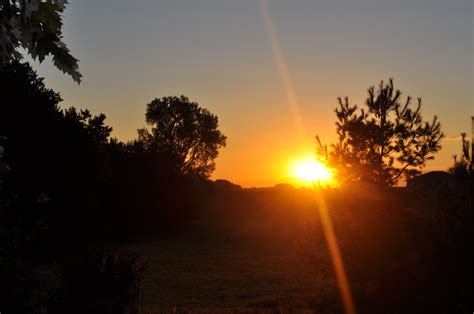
335	253
308	171
282	68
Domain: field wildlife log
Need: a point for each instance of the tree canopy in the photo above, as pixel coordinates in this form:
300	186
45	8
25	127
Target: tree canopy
185	133
35	26
384	141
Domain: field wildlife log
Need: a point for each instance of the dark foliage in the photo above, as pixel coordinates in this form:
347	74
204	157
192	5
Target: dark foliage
56	157
54	180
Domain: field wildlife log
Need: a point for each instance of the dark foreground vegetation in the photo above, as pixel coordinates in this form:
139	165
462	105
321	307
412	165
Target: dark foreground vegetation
264	248
89	224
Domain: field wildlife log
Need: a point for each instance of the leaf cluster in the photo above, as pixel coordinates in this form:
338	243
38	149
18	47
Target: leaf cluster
35	25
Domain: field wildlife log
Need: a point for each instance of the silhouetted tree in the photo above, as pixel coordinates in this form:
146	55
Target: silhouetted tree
185	133
462	168
383	141
35	26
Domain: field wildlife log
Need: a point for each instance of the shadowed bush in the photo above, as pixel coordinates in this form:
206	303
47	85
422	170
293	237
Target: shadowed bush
101	282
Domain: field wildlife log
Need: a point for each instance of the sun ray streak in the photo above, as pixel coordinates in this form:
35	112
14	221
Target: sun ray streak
330	236
282	68
335	254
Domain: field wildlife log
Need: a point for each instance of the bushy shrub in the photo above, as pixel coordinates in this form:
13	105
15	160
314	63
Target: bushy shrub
101	282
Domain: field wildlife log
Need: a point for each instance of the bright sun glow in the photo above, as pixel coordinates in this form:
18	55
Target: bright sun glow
310	171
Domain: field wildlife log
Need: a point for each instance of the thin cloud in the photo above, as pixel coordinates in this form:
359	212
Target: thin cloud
452	138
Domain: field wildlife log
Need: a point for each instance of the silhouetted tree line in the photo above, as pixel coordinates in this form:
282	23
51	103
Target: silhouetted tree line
69	188
67	159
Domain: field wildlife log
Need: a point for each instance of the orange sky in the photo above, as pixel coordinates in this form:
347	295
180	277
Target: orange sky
272	76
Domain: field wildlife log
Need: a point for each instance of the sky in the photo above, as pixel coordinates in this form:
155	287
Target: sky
270	70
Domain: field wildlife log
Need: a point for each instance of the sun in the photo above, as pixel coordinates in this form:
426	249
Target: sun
308	171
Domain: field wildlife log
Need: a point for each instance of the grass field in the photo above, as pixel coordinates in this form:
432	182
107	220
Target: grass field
248	255
233	263
264	251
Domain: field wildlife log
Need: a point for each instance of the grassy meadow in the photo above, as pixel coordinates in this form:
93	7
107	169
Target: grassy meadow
263	250
231	258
